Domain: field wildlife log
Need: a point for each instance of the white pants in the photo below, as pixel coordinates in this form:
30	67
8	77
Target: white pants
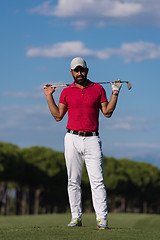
77	150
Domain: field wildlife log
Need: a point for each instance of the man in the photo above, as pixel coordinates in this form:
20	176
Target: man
83	99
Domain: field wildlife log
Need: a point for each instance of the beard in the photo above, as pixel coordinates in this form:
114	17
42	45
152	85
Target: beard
80	79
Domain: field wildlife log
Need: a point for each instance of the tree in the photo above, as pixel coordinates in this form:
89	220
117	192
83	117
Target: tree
46	173
38	175
137	183
149	185
10	167
116	181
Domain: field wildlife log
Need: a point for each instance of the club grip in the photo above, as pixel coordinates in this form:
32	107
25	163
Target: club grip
56	85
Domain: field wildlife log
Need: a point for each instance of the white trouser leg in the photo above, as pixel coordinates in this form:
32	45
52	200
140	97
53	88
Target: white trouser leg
76	150
74	164
94	164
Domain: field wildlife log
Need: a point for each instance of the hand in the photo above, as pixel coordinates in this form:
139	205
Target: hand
116	85
48	89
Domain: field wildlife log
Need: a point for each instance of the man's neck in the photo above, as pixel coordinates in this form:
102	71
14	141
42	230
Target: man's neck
82	85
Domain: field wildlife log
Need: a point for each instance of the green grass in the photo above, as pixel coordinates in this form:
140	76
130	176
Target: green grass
49	227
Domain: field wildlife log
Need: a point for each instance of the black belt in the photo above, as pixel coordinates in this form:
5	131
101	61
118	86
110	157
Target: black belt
83	134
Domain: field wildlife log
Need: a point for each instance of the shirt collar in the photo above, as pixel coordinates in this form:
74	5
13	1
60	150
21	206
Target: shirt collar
90	84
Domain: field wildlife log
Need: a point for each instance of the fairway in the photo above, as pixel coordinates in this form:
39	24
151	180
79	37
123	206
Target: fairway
48	227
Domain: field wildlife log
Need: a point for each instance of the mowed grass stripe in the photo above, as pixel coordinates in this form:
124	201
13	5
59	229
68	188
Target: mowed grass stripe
49	227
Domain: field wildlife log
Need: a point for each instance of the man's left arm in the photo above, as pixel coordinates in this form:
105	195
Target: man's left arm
108	108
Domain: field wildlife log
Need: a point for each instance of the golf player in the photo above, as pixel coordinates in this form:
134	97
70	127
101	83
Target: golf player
83	100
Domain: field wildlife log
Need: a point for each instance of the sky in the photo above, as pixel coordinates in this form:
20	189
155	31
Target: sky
119	39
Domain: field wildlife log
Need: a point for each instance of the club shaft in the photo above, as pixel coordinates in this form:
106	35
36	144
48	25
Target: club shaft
66	84
111	82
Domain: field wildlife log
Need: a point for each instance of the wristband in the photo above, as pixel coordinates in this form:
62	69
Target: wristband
115	93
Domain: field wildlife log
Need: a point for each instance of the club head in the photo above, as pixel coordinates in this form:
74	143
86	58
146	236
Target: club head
129	86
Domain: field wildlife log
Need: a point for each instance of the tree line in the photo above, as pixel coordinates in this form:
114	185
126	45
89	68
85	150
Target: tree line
34	181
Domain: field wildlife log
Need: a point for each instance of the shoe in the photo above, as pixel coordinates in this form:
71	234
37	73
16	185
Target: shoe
75	222
102	224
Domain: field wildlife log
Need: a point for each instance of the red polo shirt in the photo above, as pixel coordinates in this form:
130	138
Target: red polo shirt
83	106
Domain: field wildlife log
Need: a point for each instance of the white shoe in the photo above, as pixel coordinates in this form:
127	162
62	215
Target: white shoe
102	224
75	222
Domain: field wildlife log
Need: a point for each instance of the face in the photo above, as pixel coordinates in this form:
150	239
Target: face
79	74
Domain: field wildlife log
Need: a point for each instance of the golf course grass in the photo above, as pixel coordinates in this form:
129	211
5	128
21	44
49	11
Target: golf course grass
48	227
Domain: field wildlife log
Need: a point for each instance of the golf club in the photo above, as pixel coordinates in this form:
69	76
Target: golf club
66	85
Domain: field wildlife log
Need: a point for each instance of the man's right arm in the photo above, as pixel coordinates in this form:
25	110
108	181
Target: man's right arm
57	112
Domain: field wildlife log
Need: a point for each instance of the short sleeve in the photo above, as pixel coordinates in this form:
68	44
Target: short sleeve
62	98
103	96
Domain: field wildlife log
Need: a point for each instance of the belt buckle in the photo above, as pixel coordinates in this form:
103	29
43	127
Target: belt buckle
79	133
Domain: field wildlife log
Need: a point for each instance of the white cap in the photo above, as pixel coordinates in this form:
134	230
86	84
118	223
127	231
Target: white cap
78	61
